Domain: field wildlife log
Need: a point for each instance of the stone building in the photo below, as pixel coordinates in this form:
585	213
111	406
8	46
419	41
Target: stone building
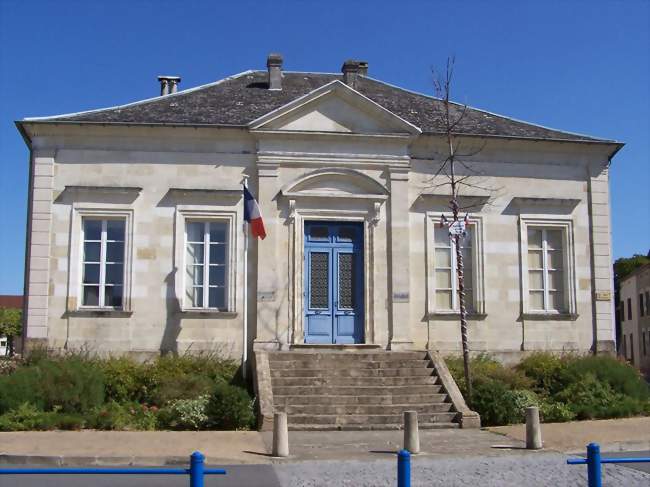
135	240
634	315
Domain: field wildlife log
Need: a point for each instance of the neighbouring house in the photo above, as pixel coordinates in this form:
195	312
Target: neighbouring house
135	241
11	302
634	315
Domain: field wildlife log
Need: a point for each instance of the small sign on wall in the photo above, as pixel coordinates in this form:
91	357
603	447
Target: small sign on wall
266	295
603	295
402	297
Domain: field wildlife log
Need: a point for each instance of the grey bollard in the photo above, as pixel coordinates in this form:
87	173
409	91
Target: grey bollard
533	429
280	435
411	434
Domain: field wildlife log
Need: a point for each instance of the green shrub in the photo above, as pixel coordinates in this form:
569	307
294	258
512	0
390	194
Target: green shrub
495	402
483	367
555	412
23	386
546	370
524	398
125	379
620	376
184	386
185	414
24	418
230	408
129	416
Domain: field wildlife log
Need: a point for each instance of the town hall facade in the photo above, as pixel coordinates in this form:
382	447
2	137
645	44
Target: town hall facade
136	236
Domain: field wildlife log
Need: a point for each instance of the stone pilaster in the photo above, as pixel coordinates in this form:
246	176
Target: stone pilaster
37	259
399	255
601	255
268	292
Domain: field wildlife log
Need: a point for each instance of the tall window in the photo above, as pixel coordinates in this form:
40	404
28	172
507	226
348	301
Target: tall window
206	263
103	262
621	307
641	305
446	276
647	303
629	308
545	269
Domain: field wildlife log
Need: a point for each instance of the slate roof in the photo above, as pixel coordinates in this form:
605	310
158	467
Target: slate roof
238	100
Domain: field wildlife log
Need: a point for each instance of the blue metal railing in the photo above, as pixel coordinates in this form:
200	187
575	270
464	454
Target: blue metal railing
197	471
594	462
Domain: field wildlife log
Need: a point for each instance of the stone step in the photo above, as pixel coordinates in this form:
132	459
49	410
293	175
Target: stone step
343	410
364	390
345	362
306	399
352	372
353	356
353	381
363	419
369	427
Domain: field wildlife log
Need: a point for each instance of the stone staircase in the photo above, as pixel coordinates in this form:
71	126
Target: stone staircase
359	390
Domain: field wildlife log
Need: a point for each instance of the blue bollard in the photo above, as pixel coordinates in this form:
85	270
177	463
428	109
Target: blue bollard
403	469
593	465
196	469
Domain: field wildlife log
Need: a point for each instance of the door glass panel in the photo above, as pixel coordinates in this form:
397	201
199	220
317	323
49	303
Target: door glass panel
318	280
346	281
346	234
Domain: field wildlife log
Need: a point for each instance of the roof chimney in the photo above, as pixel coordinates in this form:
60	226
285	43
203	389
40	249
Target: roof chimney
274	65
363	68
168	84
350	70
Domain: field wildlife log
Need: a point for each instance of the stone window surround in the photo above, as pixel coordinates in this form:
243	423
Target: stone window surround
201	213
96	211
297	219
566	226
432	219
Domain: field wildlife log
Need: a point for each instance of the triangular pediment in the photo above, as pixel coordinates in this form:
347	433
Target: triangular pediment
334	108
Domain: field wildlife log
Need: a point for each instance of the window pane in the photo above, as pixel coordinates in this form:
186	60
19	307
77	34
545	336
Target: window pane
194	296
466	241
537	300
92	229
318	233
195	253
441	236
534	259
554	259
92	251
443	279
217	275
113	296
115	252
319	280
217	297
91	296
346	234
217	254
114	273
555	300
218	232
115	230
194	275
535	280
554	239
443	257
555	280
534	238
443	300
346	281
468	278
469	300
467	257
91	274
195	231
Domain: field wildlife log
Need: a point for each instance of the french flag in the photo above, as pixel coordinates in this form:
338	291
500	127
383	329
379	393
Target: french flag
253	216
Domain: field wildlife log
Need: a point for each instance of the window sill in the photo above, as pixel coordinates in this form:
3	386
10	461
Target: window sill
542	315
449	315
101	312
207	313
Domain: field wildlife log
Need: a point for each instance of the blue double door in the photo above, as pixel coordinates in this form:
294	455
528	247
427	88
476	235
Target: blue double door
333	295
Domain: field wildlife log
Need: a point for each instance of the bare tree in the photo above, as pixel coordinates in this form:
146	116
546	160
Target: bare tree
467	177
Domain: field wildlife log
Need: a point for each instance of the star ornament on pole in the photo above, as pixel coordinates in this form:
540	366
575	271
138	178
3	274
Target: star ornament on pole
455	227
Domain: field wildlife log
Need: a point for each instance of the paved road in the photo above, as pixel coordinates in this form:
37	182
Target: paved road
643	467
518	469
238	476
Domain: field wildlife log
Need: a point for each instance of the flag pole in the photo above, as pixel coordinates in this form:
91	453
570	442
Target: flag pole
244	358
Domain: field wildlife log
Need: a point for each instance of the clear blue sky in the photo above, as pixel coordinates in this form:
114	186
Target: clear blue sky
575	65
